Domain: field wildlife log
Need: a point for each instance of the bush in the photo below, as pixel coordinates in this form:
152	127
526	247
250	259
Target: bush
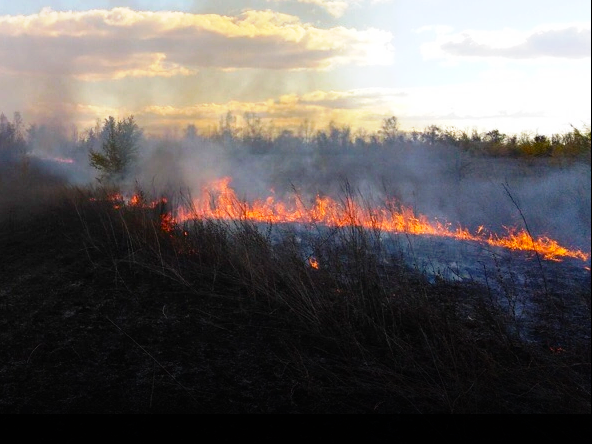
119	149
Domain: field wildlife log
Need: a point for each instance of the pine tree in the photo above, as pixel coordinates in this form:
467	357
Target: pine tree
118	151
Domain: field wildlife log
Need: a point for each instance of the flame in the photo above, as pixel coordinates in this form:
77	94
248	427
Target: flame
135	200
547	247
313	262
219	201
167	223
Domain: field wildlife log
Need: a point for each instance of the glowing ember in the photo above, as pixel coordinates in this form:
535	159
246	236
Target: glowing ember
556	350
313	263
135	200
167	223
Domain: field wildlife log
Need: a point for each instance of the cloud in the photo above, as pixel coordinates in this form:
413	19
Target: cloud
336	8
558	41
486	104
365	107
121	42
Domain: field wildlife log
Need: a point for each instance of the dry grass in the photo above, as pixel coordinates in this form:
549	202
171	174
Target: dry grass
362	332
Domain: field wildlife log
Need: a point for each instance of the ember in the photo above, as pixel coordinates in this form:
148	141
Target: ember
167	223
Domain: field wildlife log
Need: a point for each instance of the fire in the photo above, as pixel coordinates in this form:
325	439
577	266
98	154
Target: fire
547	247
167	222
219	201
135	200
313	262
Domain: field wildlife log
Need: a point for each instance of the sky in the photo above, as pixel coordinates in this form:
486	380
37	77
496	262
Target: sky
520	66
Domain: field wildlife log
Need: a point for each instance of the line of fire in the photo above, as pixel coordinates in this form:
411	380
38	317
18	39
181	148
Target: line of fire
219	201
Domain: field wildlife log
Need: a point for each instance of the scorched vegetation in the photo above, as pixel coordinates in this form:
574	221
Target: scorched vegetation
111	302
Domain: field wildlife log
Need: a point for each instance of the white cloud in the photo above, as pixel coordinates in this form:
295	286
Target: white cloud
336	8
568	41
116	43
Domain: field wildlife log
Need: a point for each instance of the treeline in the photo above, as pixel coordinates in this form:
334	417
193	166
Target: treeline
256	137
574	144
12	137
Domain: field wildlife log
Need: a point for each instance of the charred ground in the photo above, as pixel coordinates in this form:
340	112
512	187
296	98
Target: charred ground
103	311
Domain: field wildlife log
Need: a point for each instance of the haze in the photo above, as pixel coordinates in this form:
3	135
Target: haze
514	66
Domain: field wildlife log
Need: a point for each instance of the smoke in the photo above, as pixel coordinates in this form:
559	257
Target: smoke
440	182
437	181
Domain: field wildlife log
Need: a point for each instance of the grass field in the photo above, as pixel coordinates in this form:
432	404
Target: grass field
108	310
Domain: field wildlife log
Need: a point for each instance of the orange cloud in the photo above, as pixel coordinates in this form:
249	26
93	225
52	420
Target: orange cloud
121	42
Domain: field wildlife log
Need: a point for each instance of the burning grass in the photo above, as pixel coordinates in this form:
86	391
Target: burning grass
126	305
219	201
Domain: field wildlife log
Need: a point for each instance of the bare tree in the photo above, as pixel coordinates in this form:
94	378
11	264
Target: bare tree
389	129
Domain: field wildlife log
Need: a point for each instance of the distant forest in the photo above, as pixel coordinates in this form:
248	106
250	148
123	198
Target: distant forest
256	137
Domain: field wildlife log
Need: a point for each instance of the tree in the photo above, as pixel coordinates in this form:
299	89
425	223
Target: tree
389	129
306	131
190	132
228	130
7	138
118	150
12	141
432	135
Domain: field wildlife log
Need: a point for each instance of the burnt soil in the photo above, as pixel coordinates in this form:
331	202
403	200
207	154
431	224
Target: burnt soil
79	338
81	334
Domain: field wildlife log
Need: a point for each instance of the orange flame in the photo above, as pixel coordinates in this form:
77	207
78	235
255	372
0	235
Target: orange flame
219	201
135	200
167	222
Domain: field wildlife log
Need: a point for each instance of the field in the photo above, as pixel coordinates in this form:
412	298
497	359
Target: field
116	303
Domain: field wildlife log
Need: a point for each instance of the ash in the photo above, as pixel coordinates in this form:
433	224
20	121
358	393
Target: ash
529	289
